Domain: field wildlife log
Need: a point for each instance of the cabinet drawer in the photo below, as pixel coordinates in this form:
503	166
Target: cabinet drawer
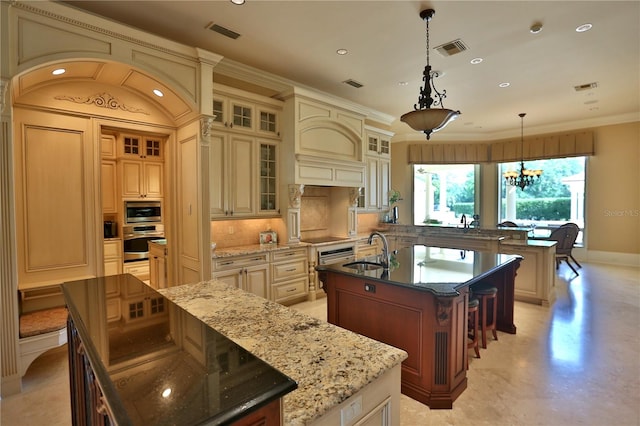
284	255
289	290
113	249
238	262
140	270
288	270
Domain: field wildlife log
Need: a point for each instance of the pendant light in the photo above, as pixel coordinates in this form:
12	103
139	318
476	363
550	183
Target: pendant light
423	117
525	177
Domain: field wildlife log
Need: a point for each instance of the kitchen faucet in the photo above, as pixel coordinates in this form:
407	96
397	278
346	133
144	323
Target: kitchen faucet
465	225
385	248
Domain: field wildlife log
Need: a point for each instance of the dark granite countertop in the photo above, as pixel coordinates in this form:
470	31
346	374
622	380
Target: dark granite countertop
158	364
440	271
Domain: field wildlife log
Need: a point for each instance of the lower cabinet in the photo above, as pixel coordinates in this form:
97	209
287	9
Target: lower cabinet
280	275
139	269
248	272
112	257
290	275
157	265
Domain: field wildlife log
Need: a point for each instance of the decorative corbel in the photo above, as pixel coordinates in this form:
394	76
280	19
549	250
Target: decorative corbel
4	84
295	195
443	311
354	193
206	125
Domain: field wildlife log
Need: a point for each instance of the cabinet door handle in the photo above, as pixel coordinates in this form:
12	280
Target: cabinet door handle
291	270
291	290
256	258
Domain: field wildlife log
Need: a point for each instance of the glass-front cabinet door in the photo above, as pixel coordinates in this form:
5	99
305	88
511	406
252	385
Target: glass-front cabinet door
268	203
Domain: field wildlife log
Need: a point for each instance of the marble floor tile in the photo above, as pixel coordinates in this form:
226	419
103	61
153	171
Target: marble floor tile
575	363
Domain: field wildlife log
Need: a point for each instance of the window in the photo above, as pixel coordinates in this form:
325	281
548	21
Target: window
555	198
443	193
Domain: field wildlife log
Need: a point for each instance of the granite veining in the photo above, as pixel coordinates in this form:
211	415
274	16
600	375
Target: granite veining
252	249
329	363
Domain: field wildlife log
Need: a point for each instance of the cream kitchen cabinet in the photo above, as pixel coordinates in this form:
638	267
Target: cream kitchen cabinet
233	171
242	111
289	275
375	196
247	272
109	184
364	249
158	264
141	147
376	192
141	179
139	269
108	147
243	176
112	253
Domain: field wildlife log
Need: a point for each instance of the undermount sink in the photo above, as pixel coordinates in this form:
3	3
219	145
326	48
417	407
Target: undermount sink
363	266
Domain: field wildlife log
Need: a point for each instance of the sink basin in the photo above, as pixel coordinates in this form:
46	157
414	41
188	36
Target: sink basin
363	266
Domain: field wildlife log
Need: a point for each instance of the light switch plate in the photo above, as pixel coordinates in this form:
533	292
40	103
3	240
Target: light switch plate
351	411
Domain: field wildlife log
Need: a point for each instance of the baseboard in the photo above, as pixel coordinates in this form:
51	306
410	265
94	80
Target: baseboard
612	258
10	385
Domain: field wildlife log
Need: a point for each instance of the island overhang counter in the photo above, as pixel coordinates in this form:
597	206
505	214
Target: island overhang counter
420	305
137	341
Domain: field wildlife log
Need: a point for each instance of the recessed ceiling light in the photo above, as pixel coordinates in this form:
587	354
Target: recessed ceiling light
158	93
504	85
535	28
584	27
237	1
166	393
58	71
342	52
475	61
403	83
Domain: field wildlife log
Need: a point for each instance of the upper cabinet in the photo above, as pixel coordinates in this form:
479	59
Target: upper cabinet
378	144
141	166
234	109
375	194
141	147
244	155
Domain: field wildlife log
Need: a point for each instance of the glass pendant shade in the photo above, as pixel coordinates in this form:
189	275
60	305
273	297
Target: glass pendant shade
429	119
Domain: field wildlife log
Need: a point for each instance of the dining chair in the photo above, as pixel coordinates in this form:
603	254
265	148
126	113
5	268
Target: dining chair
565	236
507	223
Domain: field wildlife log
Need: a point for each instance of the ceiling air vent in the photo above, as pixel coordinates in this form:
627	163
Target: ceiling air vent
222	30
353	83
587	86
451	48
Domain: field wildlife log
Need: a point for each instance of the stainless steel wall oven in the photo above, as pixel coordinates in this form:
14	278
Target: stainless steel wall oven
136	240
139	212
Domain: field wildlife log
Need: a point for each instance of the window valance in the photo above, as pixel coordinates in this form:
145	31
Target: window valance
538	148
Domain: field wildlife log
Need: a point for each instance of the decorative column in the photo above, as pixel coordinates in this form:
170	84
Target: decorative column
352	220
293	212
9	360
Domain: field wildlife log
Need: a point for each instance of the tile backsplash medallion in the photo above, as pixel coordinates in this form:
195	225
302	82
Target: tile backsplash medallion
231	233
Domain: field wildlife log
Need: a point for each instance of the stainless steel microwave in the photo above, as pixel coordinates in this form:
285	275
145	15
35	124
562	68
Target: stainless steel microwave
137	212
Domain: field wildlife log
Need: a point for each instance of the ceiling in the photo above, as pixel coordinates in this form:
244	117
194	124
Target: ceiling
386	41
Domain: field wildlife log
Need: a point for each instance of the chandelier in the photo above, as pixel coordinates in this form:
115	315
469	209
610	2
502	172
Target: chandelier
423	117
525	177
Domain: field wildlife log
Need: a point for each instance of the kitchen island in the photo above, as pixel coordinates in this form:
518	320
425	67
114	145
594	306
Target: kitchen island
219	354
136	358
420	305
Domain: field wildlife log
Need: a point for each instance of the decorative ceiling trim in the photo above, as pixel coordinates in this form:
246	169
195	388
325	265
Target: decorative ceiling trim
102	100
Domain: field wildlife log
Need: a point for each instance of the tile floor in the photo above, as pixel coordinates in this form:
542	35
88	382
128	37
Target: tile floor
576	363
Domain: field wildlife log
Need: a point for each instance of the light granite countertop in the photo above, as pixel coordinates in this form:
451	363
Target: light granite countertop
252	249
329	363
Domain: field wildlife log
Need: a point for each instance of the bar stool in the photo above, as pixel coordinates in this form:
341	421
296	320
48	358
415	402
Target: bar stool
473	324
487	293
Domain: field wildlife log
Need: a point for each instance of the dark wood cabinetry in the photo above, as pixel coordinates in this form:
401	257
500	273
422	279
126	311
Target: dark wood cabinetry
431	329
